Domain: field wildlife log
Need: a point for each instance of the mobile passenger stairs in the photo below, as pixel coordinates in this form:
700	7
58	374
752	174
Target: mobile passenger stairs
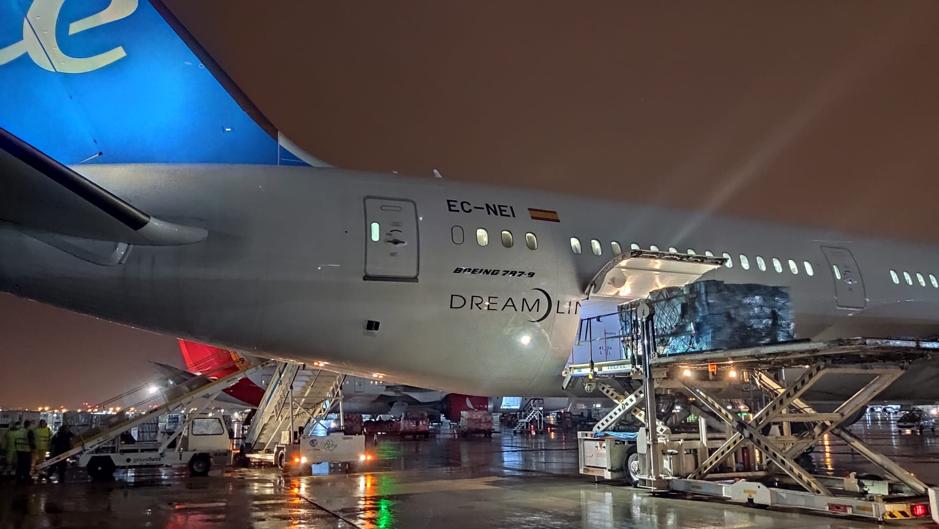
531	416
101	450
297	398
754	458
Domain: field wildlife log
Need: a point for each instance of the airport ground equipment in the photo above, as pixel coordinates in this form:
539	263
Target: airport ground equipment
290	428
415	425
201	442
335	448
295	397
190	401
532	414
475	422
755	457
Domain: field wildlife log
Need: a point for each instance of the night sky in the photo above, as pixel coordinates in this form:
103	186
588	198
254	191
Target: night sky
819	113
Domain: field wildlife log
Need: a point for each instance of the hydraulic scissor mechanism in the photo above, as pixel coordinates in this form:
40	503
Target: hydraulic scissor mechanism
755	427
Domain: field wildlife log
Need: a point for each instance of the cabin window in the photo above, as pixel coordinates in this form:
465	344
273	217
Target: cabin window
575	245
633	246
374	231
691	251
761	263
933	281
809	269
920	279
482	237
744	262
837	271
456	234
728	260
616	248
654	248
793	267
595	247
907	278
531	241
894	277
507	239
777	265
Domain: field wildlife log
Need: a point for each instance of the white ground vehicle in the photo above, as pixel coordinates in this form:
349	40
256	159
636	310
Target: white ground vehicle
335	448
198	444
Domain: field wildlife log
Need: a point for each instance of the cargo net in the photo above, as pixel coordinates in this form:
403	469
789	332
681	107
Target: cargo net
709	315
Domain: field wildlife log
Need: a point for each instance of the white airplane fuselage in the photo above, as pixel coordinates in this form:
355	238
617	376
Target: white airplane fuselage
293	267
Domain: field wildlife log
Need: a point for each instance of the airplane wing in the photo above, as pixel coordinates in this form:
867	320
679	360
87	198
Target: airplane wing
40	194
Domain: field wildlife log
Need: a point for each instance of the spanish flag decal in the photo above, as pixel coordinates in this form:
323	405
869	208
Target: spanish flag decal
544	214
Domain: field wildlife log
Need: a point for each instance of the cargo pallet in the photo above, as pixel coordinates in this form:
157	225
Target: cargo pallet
690	463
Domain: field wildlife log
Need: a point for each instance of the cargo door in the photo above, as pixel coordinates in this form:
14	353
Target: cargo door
849	286
391	245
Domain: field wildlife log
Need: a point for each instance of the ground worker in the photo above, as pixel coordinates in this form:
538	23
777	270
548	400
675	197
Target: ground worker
24	442
61	443
42	434
9	449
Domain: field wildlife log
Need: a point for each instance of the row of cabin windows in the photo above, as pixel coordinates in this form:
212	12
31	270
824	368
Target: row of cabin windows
482	237
597	249
777	264
908	279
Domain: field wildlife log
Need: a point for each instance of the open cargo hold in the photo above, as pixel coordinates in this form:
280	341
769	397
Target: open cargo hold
708	315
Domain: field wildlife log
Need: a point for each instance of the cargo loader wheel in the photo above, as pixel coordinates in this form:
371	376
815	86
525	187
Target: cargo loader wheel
632	465
199	465
100	468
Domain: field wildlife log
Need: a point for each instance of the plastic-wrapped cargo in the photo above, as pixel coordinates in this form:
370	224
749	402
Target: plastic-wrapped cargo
708	315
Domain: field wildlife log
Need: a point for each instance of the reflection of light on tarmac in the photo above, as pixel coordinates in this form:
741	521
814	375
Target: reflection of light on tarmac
826	456
596	508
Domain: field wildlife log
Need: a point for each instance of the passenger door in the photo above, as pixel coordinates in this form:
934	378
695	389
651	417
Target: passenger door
849	286
391	245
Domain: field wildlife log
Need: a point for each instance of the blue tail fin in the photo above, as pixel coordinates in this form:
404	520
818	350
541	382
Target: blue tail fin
110	81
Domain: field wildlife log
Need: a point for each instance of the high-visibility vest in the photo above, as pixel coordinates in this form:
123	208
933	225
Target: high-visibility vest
42	436
21	440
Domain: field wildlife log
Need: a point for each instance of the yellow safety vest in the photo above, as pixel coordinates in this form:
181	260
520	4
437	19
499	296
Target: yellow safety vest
43	435
21	440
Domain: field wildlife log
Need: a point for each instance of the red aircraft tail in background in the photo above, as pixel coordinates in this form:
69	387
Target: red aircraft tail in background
213	362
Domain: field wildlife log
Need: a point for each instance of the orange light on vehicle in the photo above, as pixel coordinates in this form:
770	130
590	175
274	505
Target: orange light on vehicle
296	459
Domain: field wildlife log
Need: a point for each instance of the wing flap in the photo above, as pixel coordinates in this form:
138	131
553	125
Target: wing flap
39	193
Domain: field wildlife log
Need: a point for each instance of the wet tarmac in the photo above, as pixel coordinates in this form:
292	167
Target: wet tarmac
513	482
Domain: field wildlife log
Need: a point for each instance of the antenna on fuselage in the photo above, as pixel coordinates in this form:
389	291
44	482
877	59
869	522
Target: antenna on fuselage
437	173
